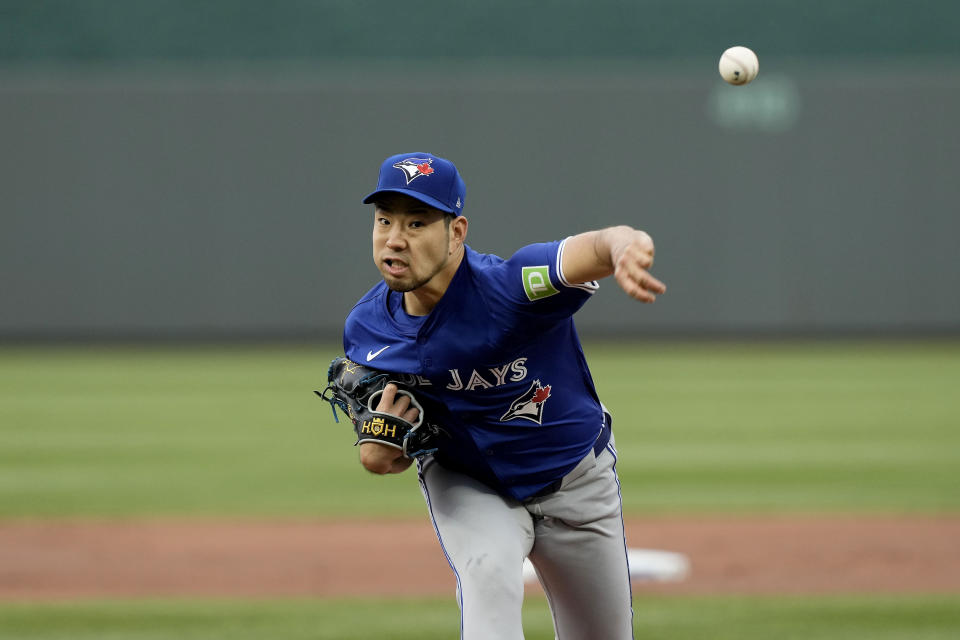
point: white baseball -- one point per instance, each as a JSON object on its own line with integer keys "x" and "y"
{"x": 739, "y": 65}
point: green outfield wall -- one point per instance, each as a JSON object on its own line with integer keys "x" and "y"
{"x": 186, "y": 30}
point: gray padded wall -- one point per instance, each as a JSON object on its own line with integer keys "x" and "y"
{"x": 224, "y": 204}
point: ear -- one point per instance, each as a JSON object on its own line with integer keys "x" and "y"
{"x": 458, "y": 233}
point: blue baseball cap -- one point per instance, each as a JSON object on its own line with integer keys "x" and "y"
{"x": 424, "y": 176}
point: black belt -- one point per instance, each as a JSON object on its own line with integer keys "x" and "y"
{"x": 604, "y": 438}
{"x": 601, "y": 443}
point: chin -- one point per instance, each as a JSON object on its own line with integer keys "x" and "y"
{"x": 397, "y": 285}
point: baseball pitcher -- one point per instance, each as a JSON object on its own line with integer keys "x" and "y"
{"x": 470, "y": 365}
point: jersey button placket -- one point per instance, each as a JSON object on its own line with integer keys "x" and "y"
{"x": 425, "y": 361}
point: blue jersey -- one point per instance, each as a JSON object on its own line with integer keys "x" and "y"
{"x": 501, "y": 352}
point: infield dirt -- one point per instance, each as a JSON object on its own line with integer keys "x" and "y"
{"x": 62, "y": 559}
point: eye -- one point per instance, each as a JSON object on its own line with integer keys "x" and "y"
{"x": 382, "y": 221}
{"x": 416, "y": 224}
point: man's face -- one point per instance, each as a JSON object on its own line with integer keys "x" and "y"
{"x": 411, "y": 242}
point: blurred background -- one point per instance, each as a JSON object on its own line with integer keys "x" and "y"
{"x": 181, "y": 238}
{"x": 184, "y": 169}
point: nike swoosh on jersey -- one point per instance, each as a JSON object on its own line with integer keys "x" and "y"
{"x": 373, "y": 354}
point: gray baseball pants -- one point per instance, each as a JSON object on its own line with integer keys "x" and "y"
{"x": 574, "y": 538}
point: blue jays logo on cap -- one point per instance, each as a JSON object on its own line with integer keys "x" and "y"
{"x": 414, "y": 167}
{"x": 430, "y": 179}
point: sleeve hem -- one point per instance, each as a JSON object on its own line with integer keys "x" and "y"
{"x": 591, "y": 286}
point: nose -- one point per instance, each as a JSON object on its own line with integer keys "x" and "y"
{"x": 395, "y": 237}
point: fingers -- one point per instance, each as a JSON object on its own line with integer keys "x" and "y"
{"x": 636, "y": 281}
{"x": 640, "y": 250}
{"x": 411, "y": 414}
{"x": 652, "y": 285}
{"x": 387, "y": 399}
{"x": 401, "y": 405}
{"x": 632, "y": 262}
{"x": 397, "y": 404}
{"x": 645, "y": 258}
{"x": 404, "y": 408}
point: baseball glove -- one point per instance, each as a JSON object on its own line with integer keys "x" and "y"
{"x": 356, "y": 390}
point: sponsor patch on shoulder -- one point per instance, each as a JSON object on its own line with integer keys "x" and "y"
{"x": 536, "y": 283}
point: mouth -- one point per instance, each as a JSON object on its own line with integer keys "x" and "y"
{"x": 395, "y": 267}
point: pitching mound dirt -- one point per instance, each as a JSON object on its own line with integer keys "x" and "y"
{"x": 75, "y": 559}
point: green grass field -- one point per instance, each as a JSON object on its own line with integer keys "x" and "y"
{"x": 716, "y": 618}
{"x": 860, "y": 427}
{"x": 700, "y": 427}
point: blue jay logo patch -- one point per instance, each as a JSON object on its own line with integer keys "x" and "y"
{"x": 529, "y": 406}
{"x": 413, "y": 168}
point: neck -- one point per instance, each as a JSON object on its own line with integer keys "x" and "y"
{"x": 423, "y": 299}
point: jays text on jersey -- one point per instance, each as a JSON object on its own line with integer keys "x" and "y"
{"x": 501, "y": 352}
